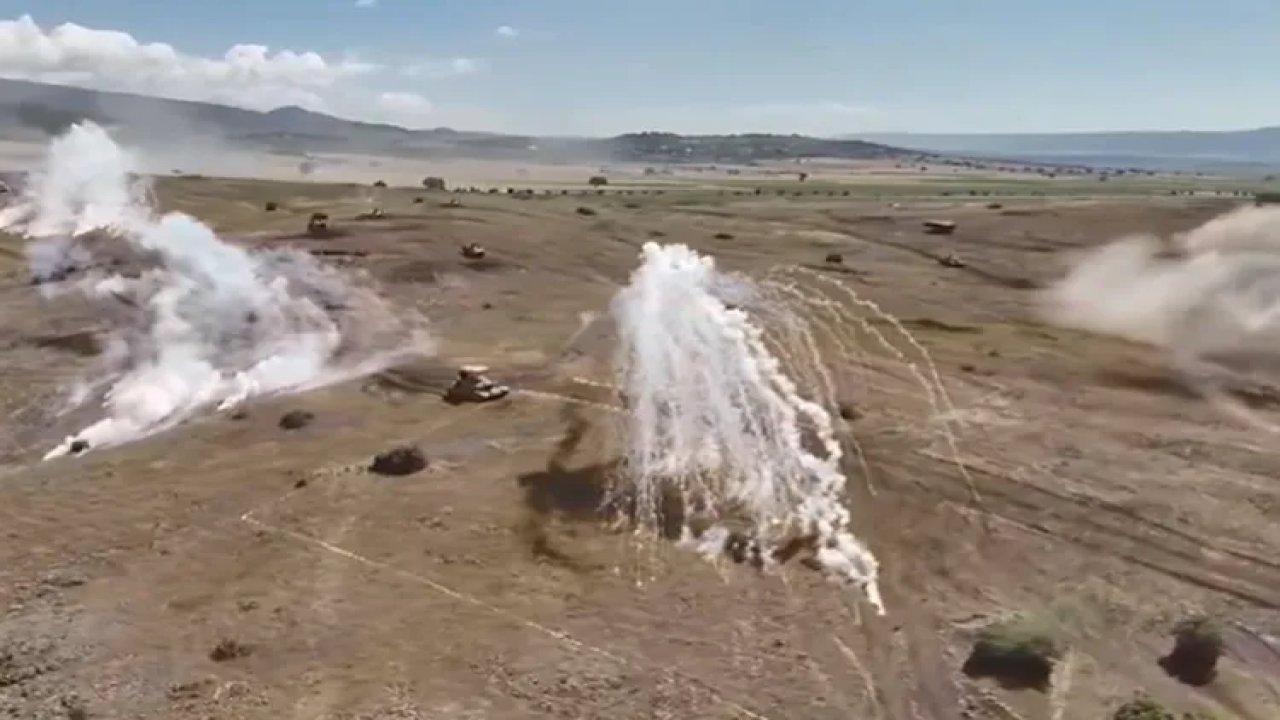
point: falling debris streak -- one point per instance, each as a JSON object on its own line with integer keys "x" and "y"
{"x": 1060, "y": 694}
{"x": 940, "y": 401}
{"x": 840, "y": 340}
{"x": 868, "y": 683}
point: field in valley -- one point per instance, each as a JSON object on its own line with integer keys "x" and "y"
{"x": 234, "y": 569}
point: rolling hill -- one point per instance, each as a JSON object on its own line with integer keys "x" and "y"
{"x": 34, "y": 111}
{"x": 1166, "y": 149}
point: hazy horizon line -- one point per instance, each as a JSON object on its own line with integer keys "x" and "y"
{"x": 851, "y": 135}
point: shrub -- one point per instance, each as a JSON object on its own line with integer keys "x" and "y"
{"x": 1197, "y": 646}
{"x": 1142, "y": 709}
{"x": 1018, "y": 653}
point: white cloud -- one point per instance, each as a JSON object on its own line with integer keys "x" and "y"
{"x": 249, "y": 76}
{"x": 437, "y": 68}
{"x": 246, "y": 75}
{"x": 366, "y": 3}
{"x": 405, "y": 108}
{"x": 507, "y": 31}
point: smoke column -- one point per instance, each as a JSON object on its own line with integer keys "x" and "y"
{"x": 214, "y": 323}
{"x": 712, "y": 415}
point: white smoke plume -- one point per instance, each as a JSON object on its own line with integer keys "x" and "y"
{"x": 1209, "y": 297}
{"x": 212, "y": 323}
{"x": 713, "y": 415}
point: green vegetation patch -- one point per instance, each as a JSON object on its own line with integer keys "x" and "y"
{"x": 1019, "y": 653}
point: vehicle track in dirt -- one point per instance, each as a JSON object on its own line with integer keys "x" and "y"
{"x": 1104, "y": 527}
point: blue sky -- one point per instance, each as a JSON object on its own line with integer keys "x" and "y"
{"x": 816, "y": 66}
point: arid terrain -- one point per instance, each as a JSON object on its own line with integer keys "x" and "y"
{"x": 233, "y": 568}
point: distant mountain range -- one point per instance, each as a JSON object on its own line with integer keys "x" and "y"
{"x": 1154, "y": 149}
{"x": 35, "y": 111}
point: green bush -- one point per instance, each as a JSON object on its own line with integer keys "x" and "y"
{"x": 1198, "y": 644}
{"x": 1143, "y": 709}
{"x": 1018, "y": 653}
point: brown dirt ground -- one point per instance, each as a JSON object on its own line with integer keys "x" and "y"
{"x": 1098, "y": 491}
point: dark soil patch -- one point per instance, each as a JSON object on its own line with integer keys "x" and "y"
{"x": 417, "y": 271}
{"x": 338, "y": 252}
{"x": 576, "y": 493}
{"x": 325, "y": 234}
{"x": 932, "y": 324}
{"x": 586, "y": 493}
{"x": 1027, "y": 213}
{"x": 83, "y": 343}
{"x": 399, "y": 462}
{"x": 296, "y": 419}
{"x": 849, "y": 412}
{"x": 1154, "y": 382}
{"x": 227, "y": 650}
{"x": 488, "y": 264}
{"x": 833, "y": 269}
{"x": 1011, "y": 282}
